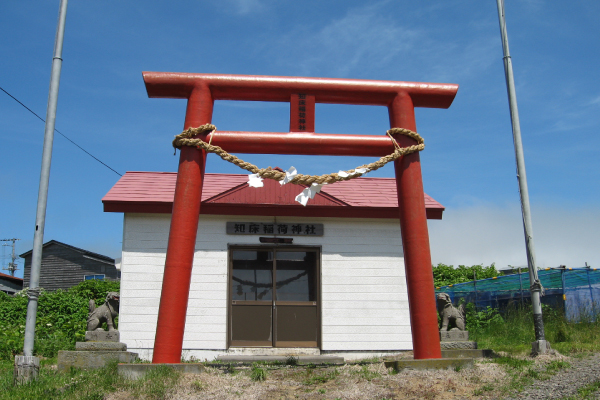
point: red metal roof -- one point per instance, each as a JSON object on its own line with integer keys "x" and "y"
{"x": 229, "y": 194}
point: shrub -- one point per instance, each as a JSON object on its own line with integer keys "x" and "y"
{"x": 482, "y": 320}
{"x": 444, "y": 275}
{"x": 60, "y": 322}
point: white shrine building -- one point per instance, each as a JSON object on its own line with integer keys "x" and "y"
{"x": 269, "y": 274}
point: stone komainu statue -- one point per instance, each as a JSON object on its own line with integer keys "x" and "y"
{"x": 451, "y": 316}
{"x": 107, "y": 312}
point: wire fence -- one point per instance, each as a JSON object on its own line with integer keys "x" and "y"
{"x": 577, "y": 290}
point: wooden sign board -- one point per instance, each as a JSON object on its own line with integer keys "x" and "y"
{"x": 287, "y": 229}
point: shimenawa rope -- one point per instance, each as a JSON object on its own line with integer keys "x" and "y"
{"x": 186, "y": 138}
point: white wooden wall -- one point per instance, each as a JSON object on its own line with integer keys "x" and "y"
{"x": 364, "y": 299}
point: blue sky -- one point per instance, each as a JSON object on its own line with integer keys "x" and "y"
{"x": 468, "y": 164}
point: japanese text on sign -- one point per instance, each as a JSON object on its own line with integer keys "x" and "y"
{"x": 260, "y": 228}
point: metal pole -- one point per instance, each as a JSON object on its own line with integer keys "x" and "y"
{"x": 540, "y": 346}
{"x": 13, "y": 266}
{"x": 40, "y": 219}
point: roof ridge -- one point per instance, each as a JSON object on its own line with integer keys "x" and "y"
{"x": 232, "y": 174}
{"x": 3, "y": 275}
{"x": 87, "y": 252}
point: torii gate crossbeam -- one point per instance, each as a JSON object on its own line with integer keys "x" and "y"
{"x": 202, "y": 90}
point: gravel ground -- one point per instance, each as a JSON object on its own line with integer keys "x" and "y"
{"x": 565, "y": 383}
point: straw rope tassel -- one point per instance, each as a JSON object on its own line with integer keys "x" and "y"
{"x": 186, "y": 138}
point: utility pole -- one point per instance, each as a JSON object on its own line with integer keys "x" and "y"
{"x": 540, "y": 346}
{"x": 27, "y": 366}
{"x": 12, "y": 265}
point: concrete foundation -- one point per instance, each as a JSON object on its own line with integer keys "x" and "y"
{"x": 92, "y": 359}
{"x": 540, "y": 347}
{"x": 273, "y": 351}
{"x": 468, "y": 353}
{"x": 137, "y": 371}
{"x": 436, "y": 363}
{"x": 301, "y": 360}
{"x": 27, "y": 369}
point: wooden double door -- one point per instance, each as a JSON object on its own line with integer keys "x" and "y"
{"x": 274, "y": 297}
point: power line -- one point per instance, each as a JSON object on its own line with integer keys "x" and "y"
{"x": 59, "y": 132}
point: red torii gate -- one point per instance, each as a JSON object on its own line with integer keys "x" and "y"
{"x": 202, "y": 90}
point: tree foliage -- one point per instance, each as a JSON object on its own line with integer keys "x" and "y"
{"x": 444, "y": 275}
{"x": 61, "y": 317}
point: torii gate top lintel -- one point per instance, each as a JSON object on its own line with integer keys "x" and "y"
{"x": 278, "y": 88}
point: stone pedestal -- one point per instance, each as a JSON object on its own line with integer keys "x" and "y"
{"x": 102, "y": 336}
{"x": 456, "y": 339}
{"x": 100, "y": 348}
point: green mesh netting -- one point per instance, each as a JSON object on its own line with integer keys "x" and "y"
{"x": 576, "y": 289}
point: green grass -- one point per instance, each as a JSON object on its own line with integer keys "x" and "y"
{"x": 514, "y": 363}
{"x": 258, "y": 374}
{"x": 313, "y": 378}
{"x": 520, "y": 373}
{"x": 586, "y": 392}
{"x": 516, "y": 333}
{"x": 85, "y": 385}
{"x": 556, "y": 365}
{"x": 365, "y": 374}
{"x": 483, "y": 389}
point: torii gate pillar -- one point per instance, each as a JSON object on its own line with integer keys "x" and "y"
{"x": 415, "y": 236}
{"x": 168, "y": 342}
{"x": 202, "y": 89}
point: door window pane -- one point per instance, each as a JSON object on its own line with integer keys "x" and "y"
{"x": 296, "y": 276}
{"x": 252, "y": 277}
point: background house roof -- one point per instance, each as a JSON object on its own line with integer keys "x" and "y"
{"x": 223, "y": 194}
{"x": 83, "y": 251}
{"x": 11, "y": 278}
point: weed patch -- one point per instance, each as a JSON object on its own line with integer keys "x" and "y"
{"x": 313, "y": 378}
{"x": 367, "y": 374}
{"x": 291, "y": 360}
{"x": 586, "y": 391}
{"x": 258, "y": 374}
{"x": 156, "y": 383}
{"x": 557, "y": 365}
{"x": 483, "y": 389}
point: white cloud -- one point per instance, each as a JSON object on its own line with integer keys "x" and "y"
{"x": 368, "y": 41}
{"x": 487, "y": 234}
{"x": 595, "y": 101}
{"x": 364, "y": 38}
{"x": 243, "y": 7}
